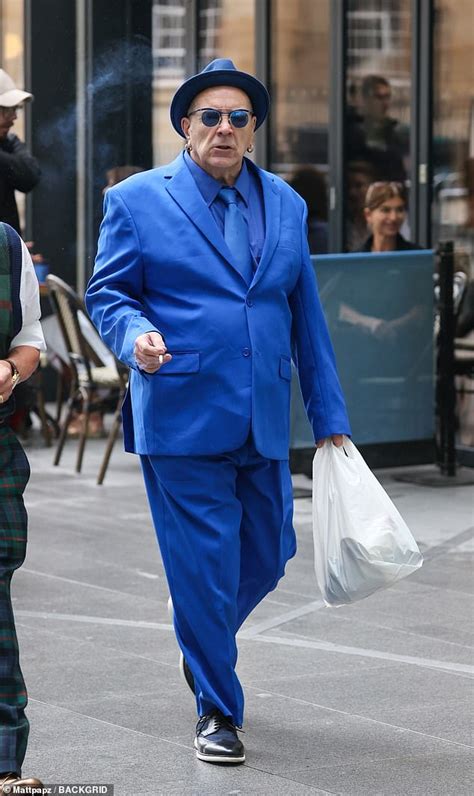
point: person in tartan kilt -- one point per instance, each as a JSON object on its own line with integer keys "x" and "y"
{"x": 21, "y": 341}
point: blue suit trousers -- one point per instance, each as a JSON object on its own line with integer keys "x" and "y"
{"x": 225, "y": 528}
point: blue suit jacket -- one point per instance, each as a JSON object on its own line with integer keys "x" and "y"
{"x": 163, "y": 264}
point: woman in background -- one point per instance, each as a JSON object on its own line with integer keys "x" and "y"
{"x": 385, "y": 212}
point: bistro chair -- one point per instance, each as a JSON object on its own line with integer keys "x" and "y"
{"x": 464, "y": 387}
{"x": 94, "y": 386}
{"x": 49, "y": 425}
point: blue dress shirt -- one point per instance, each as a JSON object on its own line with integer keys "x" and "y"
{"x": 249, "y": 200}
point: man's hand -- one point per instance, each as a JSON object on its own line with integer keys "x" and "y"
{"x": 337, "y": 440}
{"x": 150, "y": 352}
{"x": 6, "y": 383}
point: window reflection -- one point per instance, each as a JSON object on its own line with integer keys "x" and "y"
{"x": 310, "y": 183}
{"x": 210, "y": 16}
{"x": 300, "y": 104}
{"x": 378, "y": 103}
{"x": 360, "y": 174}
{"x": 168, "y": 41}
{"x": 227, "y": 30}
{"x": 373, "y": 134}
{"x": 453, "y": 128}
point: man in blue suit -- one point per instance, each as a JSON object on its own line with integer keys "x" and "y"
{"x": 203, "y": 285}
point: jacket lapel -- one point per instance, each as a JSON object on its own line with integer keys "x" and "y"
{"x": 183, "y": 189}
{"x": 272, "y": 203}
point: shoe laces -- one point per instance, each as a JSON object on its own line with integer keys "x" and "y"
{"x": 220, "y": 722}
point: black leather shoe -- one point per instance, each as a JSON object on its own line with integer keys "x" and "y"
{"x": 12, "y": 783}
{"x": 216, "y": 740}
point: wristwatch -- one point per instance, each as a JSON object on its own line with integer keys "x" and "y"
{"x": 15, "y": 373}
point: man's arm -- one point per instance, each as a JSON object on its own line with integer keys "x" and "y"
{"x": 113, "y": 296}
{"x": 25, "y": 347}
{"x": 17, "y": 166}
{"x": 25, "y": 359}
{"x": 31, "y": 333}
{"x": 313, "y": 354}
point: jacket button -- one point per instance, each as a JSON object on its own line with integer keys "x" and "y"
{"x": 249, "y": 302}
{"x": 246, "y": 352}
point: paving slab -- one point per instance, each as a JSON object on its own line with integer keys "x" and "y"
{"x": 372, "y": 699}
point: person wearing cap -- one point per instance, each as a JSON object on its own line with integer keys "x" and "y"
{"x": 21, "y": 340}
{"x": 19, "y": 171}
{"x": 203, "y": 285}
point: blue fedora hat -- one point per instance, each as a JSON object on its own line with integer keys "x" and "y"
{"x": 220, "y": 72}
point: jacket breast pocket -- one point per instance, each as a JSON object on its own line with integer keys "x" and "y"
{"x": 183, "y": 362}
{"x": 285, "y": 368}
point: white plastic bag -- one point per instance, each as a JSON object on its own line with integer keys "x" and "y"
{"x": 361, "y": 543}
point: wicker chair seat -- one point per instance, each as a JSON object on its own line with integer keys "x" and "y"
{"x": 102, "y": 376}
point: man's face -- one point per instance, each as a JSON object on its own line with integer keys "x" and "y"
{"x": 219, "y": 150}
{"x": 378, "y": 103}
{"x": 7, "y": 118}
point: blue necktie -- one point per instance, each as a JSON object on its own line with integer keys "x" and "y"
{"x": 236, "y": 233}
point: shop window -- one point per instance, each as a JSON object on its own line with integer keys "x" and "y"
{"x": 453, "y": 129}
{"x": 226, "y": 29}
{"x": 210, "y": 13}
{"x": 168, "y": 38}
{"x": 369, "y": 32}
{"x": 169, "y": 52}
{"x": 300, "y": 105}
{"x": 377, "y": 124}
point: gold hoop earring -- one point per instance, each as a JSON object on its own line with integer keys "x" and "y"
{"x": 250, "y": 148}
{"x": 188, "y": 146}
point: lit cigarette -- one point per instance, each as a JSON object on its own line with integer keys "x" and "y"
{"x": 160, "y": 359}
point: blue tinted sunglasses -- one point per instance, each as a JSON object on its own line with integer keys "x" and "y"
{"x": 211, "y": 117}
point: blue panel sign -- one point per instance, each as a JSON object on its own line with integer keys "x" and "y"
{"x": 379, "y": 309}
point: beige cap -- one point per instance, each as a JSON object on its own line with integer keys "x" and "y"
{"x": 10, "y": 95}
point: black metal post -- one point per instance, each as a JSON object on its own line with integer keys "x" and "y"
{"x": 446, "y": 375}
{"x": 421, "y": 124}
{"x": 425, "y": 121}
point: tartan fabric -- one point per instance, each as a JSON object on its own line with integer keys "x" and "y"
{"x": 14, "y": 474}
{"x": 11, "y": 316}
{"x": 16, "y": 265}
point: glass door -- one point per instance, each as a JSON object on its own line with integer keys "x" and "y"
{"x": 226, "y": 29}
{"x": 378, "y": 97}
{"x": 169, "y": 54}
{"x": 299, "y": 57}
{"x": 453, "y": 129}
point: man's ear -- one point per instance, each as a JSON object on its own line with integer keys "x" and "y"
{"x": 185, "y": 124}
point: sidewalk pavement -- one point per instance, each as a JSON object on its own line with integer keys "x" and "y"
{"x": 369, "y": 699}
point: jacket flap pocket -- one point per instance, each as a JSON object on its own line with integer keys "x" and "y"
{"x": 285, "y": 368}
{"x": 182, "y": 362}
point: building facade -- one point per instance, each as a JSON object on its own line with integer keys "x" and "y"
{"x": 103, "y": 75}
